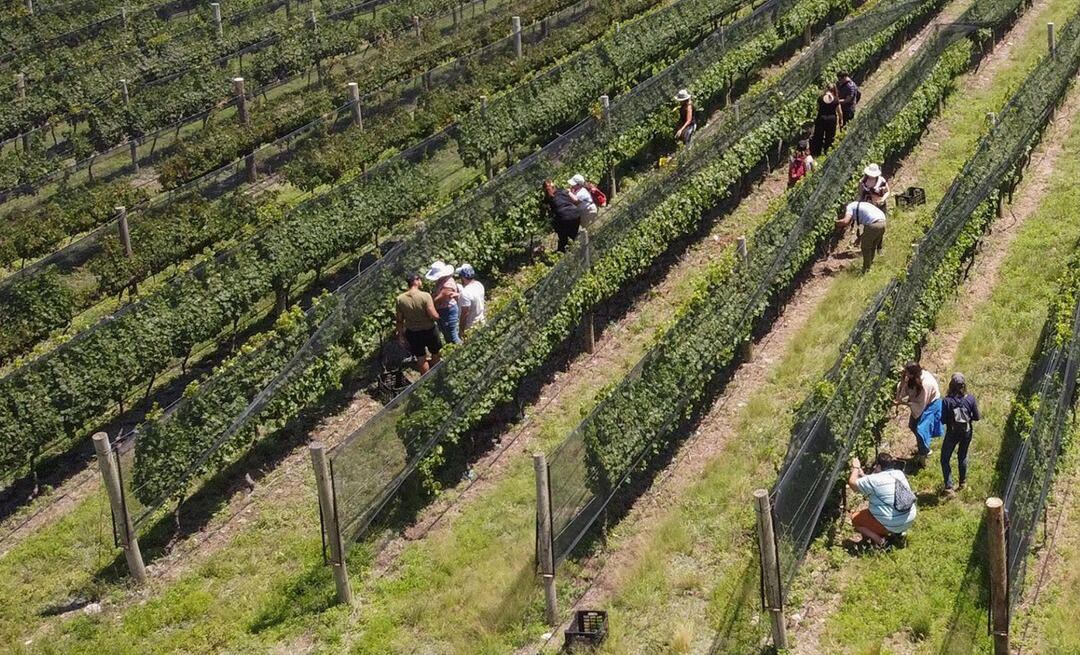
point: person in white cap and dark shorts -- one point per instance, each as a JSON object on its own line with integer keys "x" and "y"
{"x": 872, "y": 220}
{"x": 687, "y": 124}
{"x": 583, "y": 199}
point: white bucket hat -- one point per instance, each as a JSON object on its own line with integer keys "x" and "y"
{"x": 682, "y": 96}
{"x": 577, "y": 180}
{"x": 438, "y": 270}
{"x": 873, "y": 170}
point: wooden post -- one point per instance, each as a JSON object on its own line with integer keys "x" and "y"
{"x": 416, "y": 25}
{"x": 770, "y": 568}
{"x": 241, "y": 100}
{"x": 808, "y": 36}
{"x": 125, "y": 233}
{"x": 999, "y": 574}
{"x": 124, "y": 92}
{"x": 489, "y": 170}
{"x": 605, "y": 117}
{"x": 20, "y": 86}
{"x": 544, "y": 554}
{"x": 314, "y": 19}
{"x": 124, "y": 17}
{"x": 991, "y": 118}
{"x": 590, "y": 316}
{"x": 133, "y": 148}
{"x": 111, "y": 476}
{"x": 218, "y": 29}
{"x": 1051, "y": 41}
{"x": 515, "y": 29}
{"x": 545, "y": 28}
{"x": 740, "y": 246}
{"x": 251, "y": 173}
{"x": 328, "y": 512}
{"x": 354, "y": 102}
{"x": 30, "y": 6}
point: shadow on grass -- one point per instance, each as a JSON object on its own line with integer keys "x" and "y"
{"x": 303, "y": 597}
{"x": 737, "y": 629}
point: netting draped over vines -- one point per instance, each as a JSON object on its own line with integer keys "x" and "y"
{"x": 1034, "y": 462}
{"x": 361, "y": 307}
{"x": 586, "y": 470}
{"x": 841, "y": 414}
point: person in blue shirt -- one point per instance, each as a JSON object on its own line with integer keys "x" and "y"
{"x": 959, "y": 413}
{"x": 891, "y": 509}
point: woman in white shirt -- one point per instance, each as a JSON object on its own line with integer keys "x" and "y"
{"x": 583, "y": 199}
{"x": 471, "y": 300}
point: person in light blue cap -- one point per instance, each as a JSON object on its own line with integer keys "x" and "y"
{"x": 471, "y": 299}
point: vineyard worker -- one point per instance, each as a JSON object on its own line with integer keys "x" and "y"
{"x": 829, "y": 117}
{"x": 874, "y": 188}
{"x": 583, "y": 198}
{"x": 471, "y": 300}
{"x": 446, "y": 299}
{"x": 565, "y": 214}
{"x": 918, "y": 389}
{"x": 416, "y": 324}
{"x": 892, "y": 502}
{"x": 802, "y": 162}
{"x": 959, "y": 413}
{"x": 872, "y": 221}
{"x": 687, "y": 124}
{"x": 848, "y": 93}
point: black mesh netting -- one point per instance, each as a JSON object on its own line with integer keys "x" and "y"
{"x": 1034, "y": 462}
{"x": 587, "y": 469}
{"x": 854, "y": 396}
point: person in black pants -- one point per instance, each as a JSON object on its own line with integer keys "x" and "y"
{"x": 565, "y": 213}
{"x": 959, "y": 412}
{"x": 828, "y": 119}
{"x": 848, "y": 94}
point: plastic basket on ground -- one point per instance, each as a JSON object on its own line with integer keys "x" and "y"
{"x": 588, "y": 629}
{"x": 913, "y": 197}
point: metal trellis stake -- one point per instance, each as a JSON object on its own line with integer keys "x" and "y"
{"x": 544, "y": 546}
{"x": 328, "y": 512}
{"x": 770, "y": 568}
{"x": 999, "y": 575}
{"x": 111, "y": 477}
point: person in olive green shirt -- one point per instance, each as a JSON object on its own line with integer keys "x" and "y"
{"x": 416, "y": 324}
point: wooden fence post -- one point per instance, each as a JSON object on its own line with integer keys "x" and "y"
{"x": 314, "y": 19}
{"x": 999, "y": 574}
{"x": 125, "y": 233}
{"x": 1051, "y": 40}
{"x": 544, "y": 553}
{"x": 770, "y": 568}
{"x": 241, "y": 100}
{"x": 605, "y": 117}
{"x": 30, "y": 6}
{"x": 219, "y": 30}
{"x": 590, "y": 316}
{"x": 515, "y": 28}
{"x": 489, "y": 169}
{"x": 416, "y": 27}
{"x": 331, "y": 530}
{"x": 251, "y": 171}
{"x": 354, "y": 102}
{"x": 111, "y": 476}
{"x": 20, "y": 86}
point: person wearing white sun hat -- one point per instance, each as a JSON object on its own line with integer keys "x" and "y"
{"x": 873, "y": 187}
{"x": 445, "y": 299}
{"x": 687, "y": 124}
{"x": 582, "y": 197}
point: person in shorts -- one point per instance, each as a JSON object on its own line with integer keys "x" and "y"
{"x": 416, "y": 324}
{"x": 891, "y": 509}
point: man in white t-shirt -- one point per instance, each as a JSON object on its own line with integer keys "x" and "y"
{"x": 872, "y": 220}
{"x": 471, "y": 299}
{"x": 583, "y": 199}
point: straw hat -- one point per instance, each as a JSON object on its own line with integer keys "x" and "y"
{"x": 682, "y": 96}
{"x": 873, "y": 170}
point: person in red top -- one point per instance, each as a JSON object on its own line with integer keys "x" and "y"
{"x": 802, "y": 162}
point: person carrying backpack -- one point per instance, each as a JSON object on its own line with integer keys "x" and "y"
{"x": 891, "y": 500}
{"x": 959, "y": 413}
{"x": 802, "y": 162}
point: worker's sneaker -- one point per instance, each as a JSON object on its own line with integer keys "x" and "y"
{"x": 948, "y": 492}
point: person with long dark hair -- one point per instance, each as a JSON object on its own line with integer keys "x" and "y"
{"x": 918, "y": 389}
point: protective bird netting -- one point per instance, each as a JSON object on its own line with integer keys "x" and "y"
{"x": 1034, "y": 462}
{"x": 841, "y": 415}
{"x": 364, "y": 300}
{"x": 588, "y": 468}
